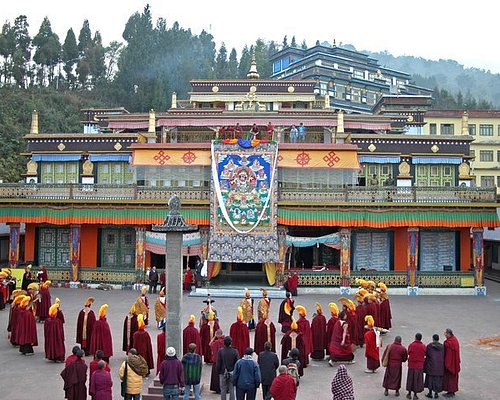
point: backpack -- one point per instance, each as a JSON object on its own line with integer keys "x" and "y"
{"x": 293, "y": 371}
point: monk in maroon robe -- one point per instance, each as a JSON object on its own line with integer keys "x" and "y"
{"x": 216, "y": 344}
{"x": 54, "y": 336}
{"x": 101, "y": 335}
{"x": 393, "y": 372}
{"x": 188, "y": 280}
{"x": 340, "y": 345}
{"x": 285, "y": 312}
{"x": 75, "y": 378}
{"x": 239, "y": 334}
{"x": 85, "y": 326}
{"x": 160, "y": 349}
{"x": 45, "y": 301}
{"x": 142, "y": 343}
{"x": 265, "y": 331}
{"x": 305, "y": 328}
{"x": 385, "y": 312}
{"x": 207, "y": 333}
{"x": 13, "y": 316}
{"x": 26, "y": 335}
{"x": 130, "y": 327}
{"x": 334, "y": 317}
{"x": 190, "y": 334}
{"x": 318, "y": 328}
{"x": 360, "y": 316}
{"x": 451, "y": 363}
{"x": 293, "y": 340}
{"x": 372, "y": 342}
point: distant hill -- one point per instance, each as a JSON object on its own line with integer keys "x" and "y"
{"x": 444, "y": 74}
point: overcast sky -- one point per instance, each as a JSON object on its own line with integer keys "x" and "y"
{"x": 437, "y": 29}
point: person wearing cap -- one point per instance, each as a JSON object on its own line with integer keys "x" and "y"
{"x": 142, "y": 343}
{"x": 285, "y": 312}
{"x": 171, "y": 375}
{"x": 246, "y": 376}
{"x": 247, "y": 307}
{"x": 101, "y": 335}
{"x": 54, "y": 336}
{"x": 293, "y": 340}
{"x": 451, "y": 363}
{"x": 26, "y": 335}
{"x": 305, "y": 328}
{"x": 340, "y": 345}
{"x": 373, "y": 344}
{"x": 85, "y": 326}
{"x": 349, "y": 308}
{"x": 136, "y": 368}
{"x": 318, "y": 330}
{"x": 27, "y": 278}
{"x": 216, "y": 344}
{"x": 226, "y": 360}
{"x": 190, "y": 334}
{"x": 239, "y": 334}
{"x": 75, "y": 378}
{"x": 191, "y": 364}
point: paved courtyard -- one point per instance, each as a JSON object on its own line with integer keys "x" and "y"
{"x": 471, "y": 318}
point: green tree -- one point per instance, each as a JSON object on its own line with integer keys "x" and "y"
{"x": 84, "y": 37}
{"x": 22, "y": 53}
{"x": 47, "y": 53}
{"x": 245, "y": 61}
{"x": 7, "y": 48}
{"x": 70, "y": 56}
{"x": 232, "y": 65}
{"x": 293, "y": 43}
{"x": 221, "y": 63}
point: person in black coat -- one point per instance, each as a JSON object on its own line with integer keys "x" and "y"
{"x": 226, "y": 360}
{"x": 153, "y": 280}
{"x": 268, "y": 363}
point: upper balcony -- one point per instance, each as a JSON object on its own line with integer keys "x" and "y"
{"x": 348, "y": 195}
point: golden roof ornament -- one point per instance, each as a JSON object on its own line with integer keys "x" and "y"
{"x": 252, "y": 73}
{"x": 465, "y": 123}
{"x": 152, "y": 121}
{"x": 34, "y": 122}
{"x": 174, "y": 100}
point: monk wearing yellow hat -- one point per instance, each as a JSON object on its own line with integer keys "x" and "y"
{"x": 85, "y": 326}
{"x": 293, "y": 339}
{"x": 142, "y": 343}
{"x": 239, "y": 333}
{"x": 190, "y": 334}
{"x": 45, "y": 301}
{"x": 305, "y": 328}
{"x": 102, "y": 338}
{"x": 318, "y": 328}
{"x": 54, "y": 336}
{"x": 26, "y": 335}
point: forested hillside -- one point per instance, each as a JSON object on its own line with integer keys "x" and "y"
{"x": 60, "y": 75}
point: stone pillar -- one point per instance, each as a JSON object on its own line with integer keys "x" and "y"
{"x": 140, "y": 249}
{"x": 74, "y": 250}
{"x": 14, "y": 235}
{"x": 412, "y": 264}
{"x": 478, "y": 257}
{"x": 345, "y": 261}
{"x": 174, "y": 226}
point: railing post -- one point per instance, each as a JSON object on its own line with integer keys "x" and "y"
{"x": 71, "y": 191}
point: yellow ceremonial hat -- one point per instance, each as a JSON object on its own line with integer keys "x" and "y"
{"x": 334, "y": 309}
{"x": 103, "y": 310}
{"x": 3, "y": 275}
{"x": 46, "y": 284}
{"x": 53, "y": 310}
{"x": 144, "y": 290}
{"x": 89, "y": 301}
{"x": 301, "y": 310}
{"x": 33, "y": 286}
{"x": 25, "y": 301}
{"x": 382, "y": 286}
{"x": 192, "y": 318}
{"x": 369, "y": 320}
{"x": 247, "y": 292}
{"x": 294, "y": 325}
{"x": 17, "y": 300}
{"x": 140, "y": 321}
{"x": 240, "y": 314}
{"x": 319, "y": 309}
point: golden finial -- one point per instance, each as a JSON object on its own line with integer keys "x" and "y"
{"x": 340, "y": 122}
{"x": 152, "y": 121}
{"x": 174, "y": 100}
{"x": 252, "y": 73}
{"x": 34, "y": 122}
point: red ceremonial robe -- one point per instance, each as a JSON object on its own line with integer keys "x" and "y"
{"x": 54, "y": 339}
{"x": 206, "y": 335}
{"x": 60, "y": 316}
{"x": 142, "y": 343}
{"x": 360, "y": 323}
{"x": 130, "y": 326}
{"x": 12, "y": 326}
{"x": 385, "y": 314}
{"x": 75, "y": 377}
{"x": 100, "y": 386}
{"x": 84, "y": 328}
{"x": 45, "y": 303}
{"x": 264, "y": 333}
{"x": 188, "y": 280}
{"x": 393, "y": 371}
{"x": 160, "y": 350}
{"x": 92, "y": 368}
{"x": 305, "y": 328}
{"x": 215, "y": 346}
{"x": 329, "y": 332}
{"x": 26, "y": 328}
{"x": 451, "y": 364}
{"x": 283, "y": 318}
{"x": 290, "y": 340}
{"x": 241, "y": 337}
{"x": 102, "y": 338}
{"x": 372, "y": 352}
{"x": 191, "y": 335}
{"x": 353, "y": 325}
{"x": 339, "y": 352}
{"x": 318, "y": 328}
{"x": 373, "y": 310}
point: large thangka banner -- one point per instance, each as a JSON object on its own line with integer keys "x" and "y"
{"x": 243, "y": 212}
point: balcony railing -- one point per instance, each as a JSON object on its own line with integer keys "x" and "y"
{"x": 348, "y": 194}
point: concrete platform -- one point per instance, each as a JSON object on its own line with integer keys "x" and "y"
{"x": 237, "y": 292}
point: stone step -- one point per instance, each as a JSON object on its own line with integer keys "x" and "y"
{"x": 155, "y": 391}
{"x": 237, "y": 292}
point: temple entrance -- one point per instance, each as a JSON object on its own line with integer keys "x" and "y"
{"x": 241, "y": 275}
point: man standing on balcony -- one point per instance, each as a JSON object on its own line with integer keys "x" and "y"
{"x": 153, "y": 280}
{"x": 293, "y": 134}
{"x": 302, "y": 132}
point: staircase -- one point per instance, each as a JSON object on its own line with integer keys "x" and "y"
{"x": 155, "y": 391}
{"x": 237, "y": 292}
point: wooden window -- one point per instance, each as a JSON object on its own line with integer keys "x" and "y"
{"x": 485, "y": 130}
{"x": 487, "y": 181}
{"x": 447, "y": 129}
{"x": 432, "y": 129}
{"x": 486, "y": 155}
{"x": 472, "y": 129}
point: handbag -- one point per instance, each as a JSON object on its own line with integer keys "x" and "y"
{"x": 227, "y": 374}
{"x": 124, "y": 381}
{"x": 385, "y": 357}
